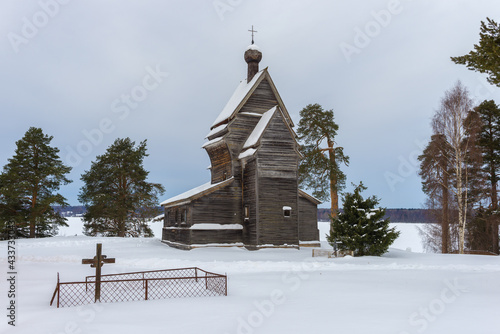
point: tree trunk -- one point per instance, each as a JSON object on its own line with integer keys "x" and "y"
{"x": 494, "y": 221}
{"x": 121, "y": 228}
{"x": 445, "y": 224}
{"x": 32, "y": 226}
{"x": 32, "y": 214}
{"x": 334, "y": 196}
{"x": 460, "y": 203}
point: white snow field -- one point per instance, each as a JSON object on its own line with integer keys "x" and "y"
{"x": 269, "y": 290}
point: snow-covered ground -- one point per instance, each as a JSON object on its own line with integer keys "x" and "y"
{"x": 269, "y": 291}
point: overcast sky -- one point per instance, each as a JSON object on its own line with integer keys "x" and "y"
{"x": 88, "y": 72}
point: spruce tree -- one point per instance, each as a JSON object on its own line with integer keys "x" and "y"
{"x": 28, "y": 186}
{"x": 118, "y": 199}
{"x": 361, "y": 227}
{"x": 319, "y": 170}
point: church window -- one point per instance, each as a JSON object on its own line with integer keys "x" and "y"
{"x": 287, "y": 211}
{"x": 246, "y": 212}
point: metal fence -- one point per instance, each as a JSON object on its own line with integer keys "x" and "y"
{"x": 330, "y": 253}
{"x": 142, "y": 285}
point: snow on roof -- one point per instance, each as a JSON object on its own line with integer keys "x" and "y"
{"x": 247, "y": 153}
{"x": 203, "y": 189}
{"x": 239, "y": 94}
{"x": 210, "y": 142}
{"x": 253, "y": 47}
{"x": 216, "y": 130}
{"x": 311, "y": 198}
{"x": 247, "y": 113}
{"x": 257, "y": 132}
{"x": 159, "y": 217}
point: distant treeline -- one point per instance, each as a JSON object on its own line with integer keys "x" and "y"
{"x": 70, "y": 211}
{"x": 395, "y": 215}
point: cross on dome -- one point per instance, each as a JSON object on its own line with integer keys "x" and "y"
{"x": 252, "y": 31}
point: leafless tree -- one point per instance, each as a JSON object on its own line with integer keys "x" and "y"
{"x": 450, "y": 121}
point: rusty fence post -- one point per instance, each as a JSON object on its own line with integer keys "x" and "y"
{"x": 146, "y": 292}
{"x": 56, "y": 291}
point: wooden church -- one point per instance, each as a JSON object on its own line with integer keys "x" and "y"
{"x": 252, "y": 199}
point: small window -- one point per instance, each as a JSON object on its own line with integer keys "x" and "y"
{"x": 167, "y": 218}
{"x": 176, "y": 216}
{"x": 287, "y": 211}
{"x": 246, "y": 212}
{"x": 184, "y": 216}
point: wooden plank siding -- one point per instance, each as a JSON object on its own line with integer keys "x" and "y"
{"x": 262, "y": 99}
{"x": 308, "y": 220}
{"x": 221, "y": 161}
{"x": 277, "y": 162}
{"x": 220, "y": 207}
{"x": 250, "y": 231}
{"x": 274, "y": 228}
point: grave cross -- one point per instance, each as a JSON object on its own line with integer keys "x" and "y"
{"x": 97, "y": 263}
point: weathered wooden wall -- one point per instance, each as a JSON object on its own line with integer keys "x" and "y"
{"x": 250, "y": 236}
{"x": 308, "y": 220}
{"x": 262, "y": 99}
{"x": 221, "y": 161}
{"x": 216, "y": 236}
{"x": 277, "y": 184}
{"x": 222, "y": 206}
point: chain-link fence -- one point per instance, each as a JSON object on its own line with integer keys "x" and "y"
{"x": 143, "y": 285}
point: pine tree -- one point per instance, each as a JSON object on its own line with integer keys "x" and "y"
{"x": 489, "y": 141}
{"x": 361, "y": 228}
{"x": 436, "y": 173}
{"x": 28, "y": 186}
{"x": 319, "y": 170}
{"x": 118, "y": 198}
{"x": 486, "y": 55}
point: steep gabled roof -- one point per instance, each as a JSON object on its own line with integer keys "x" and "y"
{"x": 241, "y": 96}
{"x": 257, "y": 132}
{"x": 251, "y": 144}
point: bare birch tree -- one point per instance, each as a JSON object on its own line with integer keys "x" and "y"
{"x": 450, "y": 121}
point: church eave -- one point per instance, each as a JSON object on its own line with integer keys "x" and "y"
{"x": 310, "y": 198}
{"x": 195, "y": 193}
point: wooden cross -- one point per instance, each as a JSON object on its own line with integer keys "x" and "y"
{"x": 97, "y": 263}
{"x": 252, "y": 32}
